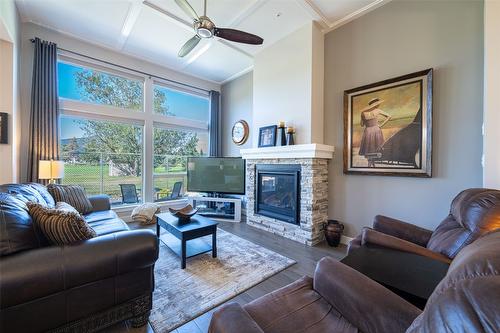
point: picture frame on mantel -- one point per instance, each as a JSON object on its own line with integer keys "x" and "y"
{"x": 4, "y": 128}
{"x": 388, "y": 127}
{"x": 267, "y": 136}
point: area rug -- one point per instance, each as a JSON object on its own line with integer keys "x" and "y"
{"x": 183, "y": 294}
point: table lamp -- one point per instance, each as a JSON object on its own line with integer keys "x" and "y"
{"x": 51, "y": 170}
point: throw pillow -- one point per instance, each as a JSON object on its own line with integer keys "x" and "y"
{"x": 72, "y": 194}
{"x": 61, "y": 225}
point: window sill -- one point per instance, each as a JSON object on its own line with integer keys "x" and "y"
{"x": 125, "y": 211}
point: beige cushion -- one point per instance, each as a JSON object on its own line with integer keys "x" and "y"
{"x": 62, "y": 224}
{"x": 72, "y": 194}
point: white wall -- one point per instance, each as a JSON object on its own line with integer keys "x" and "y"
{"x": 398, "y": 38}
{"x": 285, "y": 76}
{"x": 30, "y": 31}
{"x": 9, "y": 88}
{"x": 491, "y": 140}
{"x": 237, "y": 101}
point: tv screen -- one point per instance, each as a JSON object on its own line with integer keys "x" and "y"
{"x": 216, "y": 174}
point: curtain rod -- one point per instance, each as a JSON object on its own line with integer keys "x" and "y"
{"x": 128, "y": 68}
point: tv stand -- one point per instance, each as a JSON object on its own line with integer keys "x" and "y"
{"x": 219, "y": 209}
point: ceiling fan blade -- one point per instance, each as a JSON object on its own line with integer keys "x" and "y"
{"x": 186, "y": 7}
{"x": 238, "y": 36}
{"x": 189, "y": 46}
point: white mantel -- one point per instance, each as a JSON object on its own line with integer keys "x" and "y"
{"x": 312, "y": 150}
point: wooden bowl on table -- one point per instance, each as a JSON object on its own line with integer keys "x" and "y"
{"x": 184, "y": 214}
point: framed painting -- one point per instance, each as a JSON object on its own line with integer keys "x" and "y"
{"x": 267, "y": 136}
{"x": 388, "y": 127}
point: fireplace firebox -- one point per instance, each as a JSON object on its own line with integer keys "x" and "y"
{"x": 278, "y": 191}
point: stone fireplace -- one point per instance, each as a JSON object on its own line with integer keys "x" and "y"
{"x": 287, "y": 190}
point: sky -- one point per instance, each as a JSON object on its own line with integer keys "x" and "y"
{"x": 181, "y": 104}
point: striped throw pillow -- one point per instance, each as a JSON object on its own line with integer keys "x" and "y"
{"x": 61, "y": 225}
{"x": 72, "y": 194}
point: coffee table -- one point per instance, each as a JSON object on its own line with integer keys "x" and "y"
{"x": 186, "y": 240}
{"x": 411, "y": 276}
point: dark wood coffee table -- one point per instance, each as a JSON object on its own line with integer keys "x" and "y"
{"x": 182, "y": 232}
{"x": 409, "y": 275}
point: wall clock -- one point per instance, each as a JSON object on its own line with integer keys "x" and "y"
{"x": 240, "y": 132}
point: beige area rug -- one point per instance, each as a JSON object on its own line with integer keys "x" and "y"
{"x": 183, "y": 294}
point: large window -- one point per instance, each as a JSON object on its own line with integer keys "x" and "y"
{"x": 104, "y": 140}
{"x": 171, "y": 149}
{"x": 94, "y": 86}
{"x": 175, "y": 103}
{"x": 102, "y": 156}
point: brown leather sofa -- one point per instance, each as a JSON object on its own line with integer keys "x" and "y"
{"x": 340, "y": 299}
{"x": 473, "y": 213}
{"x": 78, "y": 288}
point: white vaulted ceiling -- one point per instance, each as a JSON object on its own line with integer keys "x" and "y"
{"x": 154, "y": 30}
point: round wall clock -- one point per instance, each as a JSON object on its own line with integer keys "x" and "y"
{"x": 240, "y": 132}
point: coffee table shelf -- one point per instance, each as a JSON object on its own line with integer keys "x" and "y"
{"x": 187, "y": 235}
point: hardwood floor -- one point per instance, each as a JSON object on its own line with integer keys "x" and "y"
{"x": 305, "y": 256}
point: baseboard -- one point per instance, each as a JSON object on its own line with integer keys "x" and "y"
{"x": 345, "y": 240}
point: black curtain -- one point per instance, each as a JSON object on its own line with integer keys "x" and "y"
{"x": 44, "y": 116}
{"x": 215, "y": 125}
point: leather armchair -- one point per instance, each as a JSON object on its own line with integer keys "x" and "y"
{"x": 340, "y": 299}
{"x": 473, "y": 213}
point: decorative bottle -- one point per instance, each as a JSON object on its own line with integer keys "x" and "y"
{"x": 281, "y": 137}
{"x": 289, "y": 136}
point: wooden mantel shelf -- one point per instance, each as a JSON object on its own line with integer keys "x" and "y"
{"x": 312, "y": 150}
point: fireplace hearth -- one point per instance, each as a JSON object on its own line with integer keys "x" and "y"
{"x": 277, "y": 192}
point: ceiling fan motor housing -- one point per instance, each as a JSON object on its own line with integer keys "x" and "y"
{"x": 204, "y": 27}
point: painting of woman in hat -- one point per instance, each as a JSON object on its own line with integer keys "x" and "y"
{"x": 373, "y": 137}
{"x": 388, "y": 127}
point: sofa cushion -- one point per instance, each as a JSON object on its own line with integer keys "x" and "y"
{"x": 297, "y": 308}
{"x": 42, "y": 190}
{"x": 108, "y": 226}
{"x": 29, "y": 192}
{"x": 17, "y": 230}
{"x": 72, "y": 194}
{"x": 473, "y": 213}
{"x": 61, "y": 225}
{"x": 100, "y": 215}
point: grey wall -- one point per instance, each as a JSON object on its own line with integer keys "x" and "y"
{"x": 399, "y": 38}
{"x": 237, "y": 101}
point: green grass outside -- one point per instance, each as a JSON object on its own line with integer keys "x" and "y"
{"x": 90, "y": 177}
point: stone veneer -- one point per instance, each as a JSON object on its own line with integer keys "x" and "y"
{"x": 313, "y": 200}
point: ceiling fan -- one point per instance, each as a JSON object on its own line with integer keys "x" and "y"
{"x": 205, "y": 28}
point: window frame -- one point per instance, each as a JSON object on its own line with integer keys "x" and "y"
{"x": 145, "y": 117}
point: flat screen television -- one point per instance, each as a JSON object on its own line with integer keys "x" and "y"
{"x": 224, "y": 175}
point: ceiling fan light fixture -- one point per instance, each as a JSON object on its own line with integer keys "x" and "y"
{"x": 204, "y": 32}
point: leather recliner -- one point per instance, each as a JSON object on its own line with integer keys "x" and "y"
{"x": 342, "y": 300}
{"x": 82, "y": 287}
{"x": 473, "y": 213}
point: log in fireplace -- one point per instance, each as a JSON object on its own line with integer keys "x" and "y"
{"x": 278, "y": 191}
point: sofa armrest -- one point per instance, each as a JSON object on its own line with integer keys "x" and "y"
{"x": 37, "y": 273}
{"x": 403, "y": 230}
{"x": 370, "y": 236}
{"x": 363, "y": 302}
{"x": 100, "y": 202}
{"x": 232, "y": 318}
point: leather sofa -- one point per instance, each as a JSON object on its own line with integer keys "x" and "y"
{"x": 75, "y": 288}
{"x": 340, "y": 299}
{"x": 473, "y": 213}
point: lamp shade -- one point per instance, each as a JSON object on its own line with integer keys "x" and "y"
{"x": 50, "y": 169}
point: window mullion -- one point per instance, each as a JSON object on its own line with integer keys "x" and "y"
{"x": 148, "y": 140}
